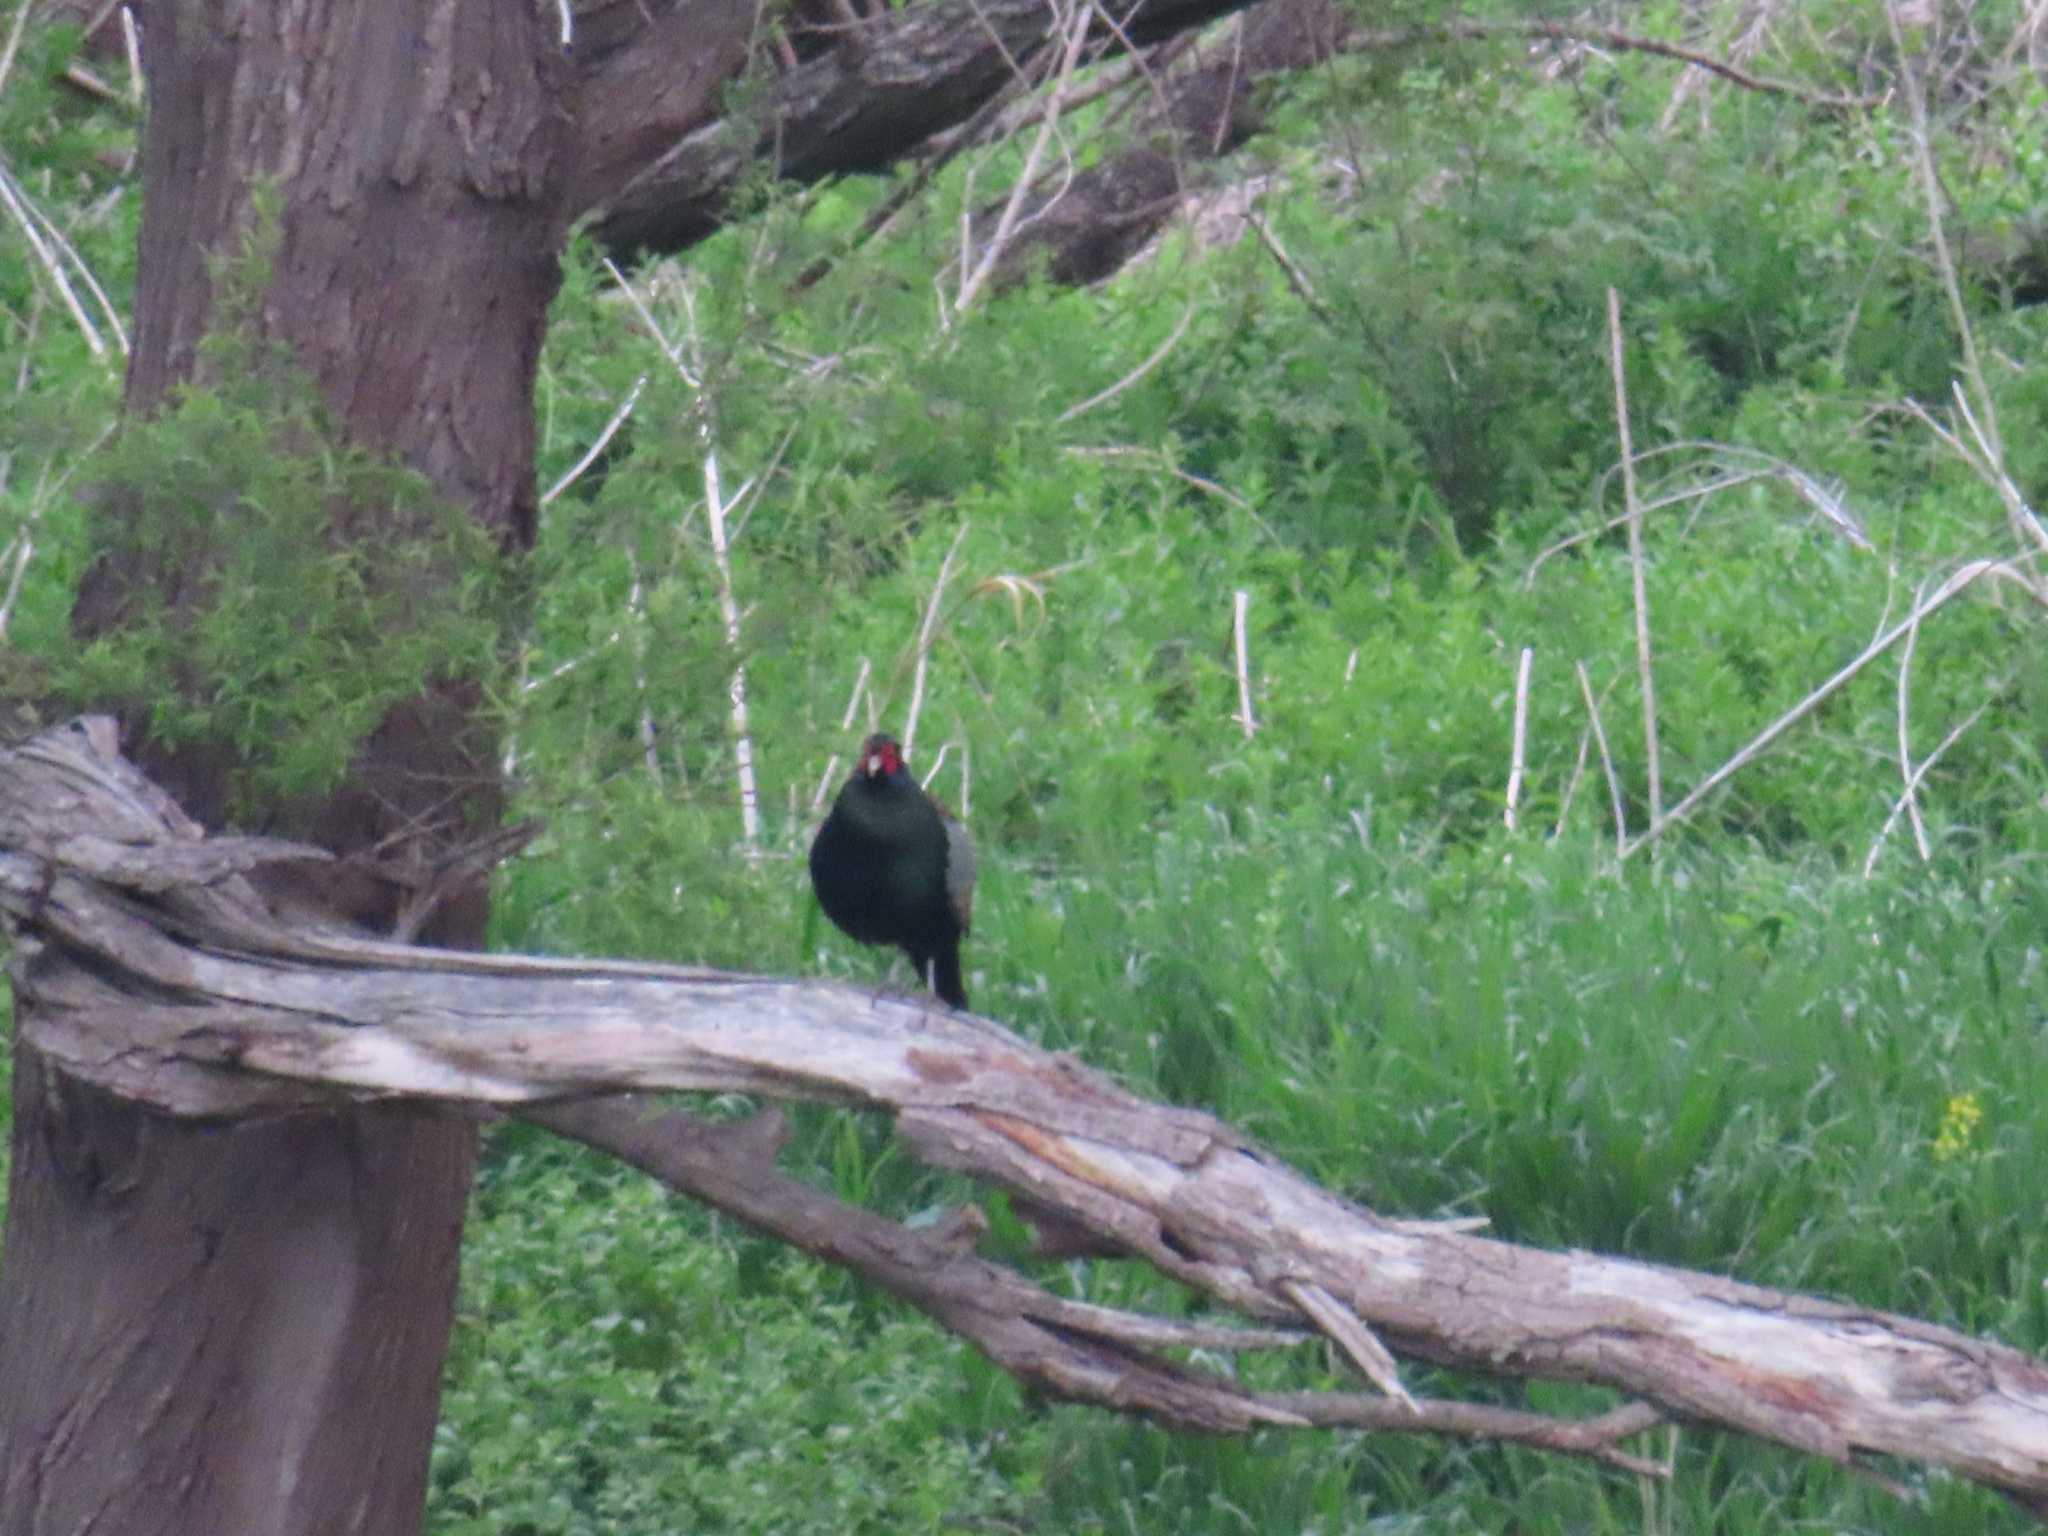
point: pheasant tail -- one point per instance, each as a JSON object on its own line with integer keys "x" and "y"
{"x": 945, "y": 976}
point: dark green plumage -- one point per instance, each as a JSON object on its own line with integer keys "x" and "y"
{"x": 890, "y": 866}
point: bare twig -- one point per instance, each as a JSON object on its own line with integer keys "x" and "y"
{"x": 1644, "y": 673}
{"x": 670, "y": 350}
{"x": 966, "y": 796}
{"x": 685, "y": 356}
{"x": 18, "y": 207}
{"x": 575, "y": 471}
{"x": 650, "y": 738}
{"x": 1930, "y": 190}
{"x": 1909, "y": 799}
{"x": 1913, "y": 779}
{"x": 13, "y": 44}
{"x": 715, "y": 509}
{"x": 131, "y": 46}
{"x": 1606, "y": 758}
{"x": 1159, "y": 355}
{"x": 1352, "y": 1336}
{"x": 1074, "y": 1349}
{"x": 56, "y": 236}
{"x": 1240, "y": 604}
{"x": 926, "y": 629}
{"x": 860, "y": 682}
{"x": 2026, "y": 524}
{"x": 22, "y": 371}
{"x": 1153, "y": 458}
{"x": 1298, "y": 280}
{"x": 22, "y": 546}
{"x": 1756, "y": 18}
{"x": 1983, "y": 418}
{"x": 1518, "y": 746}
{"x": 831, "y": 774}
{"x": 1976, "y": 456}
{"x": 1605, "y": 37}
{"x": 1959, "y": 582}
{"x": 937, "y": 153}
{"x": 1571, "y": 785}
{"x": 1824, "y": 498}
{"x": 974, "y": 276}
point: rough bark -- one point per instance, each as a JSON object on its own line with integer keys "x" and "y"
{"x": 208, "y": 1328}
{"x": 1194, "y": 107}
{"x": 222, "y": 1328}
{"x": 156, "y": 972}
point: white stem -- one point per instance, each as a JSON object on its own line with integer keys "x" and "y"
{"x": 1158, "y": 356}
{"x": 1606, "y": 759}
{"x": 926, "y": 628}
{"x": 825, "y": 780}
{"x": 860, "y": 682}
{"x": 1240, "y": 604}
{"x": 972, "y": 282}
{"x": 1571, "y": 785}
{"x": 729, "y": 609}
{"x": 590, "y": 455}
{"x": 1912, "y": 787}
{"x": 17, "y": 205}
{"x": 131, "y": 44}
{"x": 1518, "y": 748}
{"x": 22, "y": 548}
{"x": 1907, "y": 776}
{"x": 12, "y": 46}
{"x": 690, "y": 369}
{"x": 1633, "y": 503}
{"x": 1962, "y": 579}
{"x": 69, "y": 252}
{"x": 650, "y": 743}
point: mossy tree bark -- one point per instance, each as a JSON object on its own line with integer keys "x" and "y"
{"x": 210, "y": 1328}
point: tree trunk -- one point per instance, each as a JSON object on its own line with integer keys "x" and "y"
{"x": 239, "y": 1327}
{"x": 222, "y": 1328}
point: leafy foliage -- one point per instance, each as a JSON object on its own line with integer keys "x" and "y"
{"x": 264, "y": 624}
{"x": 713, "y": 1383}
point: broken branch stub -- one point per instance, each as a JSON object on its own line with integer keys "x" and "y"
{"x": 145, "y": 961}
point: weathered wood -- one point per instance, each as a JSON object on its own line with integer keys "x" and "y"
{"x": 199, "y": 1001}
{"x": 885, "y": 85}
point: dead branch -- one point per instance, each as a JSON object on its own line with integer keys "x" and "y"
{"x": 661, "y": 153}
{"x": 1072, "y": 1349}
{"x": 147, "y": 962}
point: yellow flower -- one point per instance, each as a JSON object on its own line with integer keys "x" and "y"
{"x": 1960, "y": 1118}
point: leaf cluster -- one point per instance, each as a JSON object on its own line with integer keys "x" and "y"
{"x": 277, "y": 590}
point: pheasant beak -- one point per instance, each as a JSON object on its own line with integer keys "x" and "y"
{"x": 873, "y": 765}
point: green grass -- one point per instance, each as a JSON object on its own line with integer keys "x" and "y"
{"x": 1736, "y": 1064}
{"x": 622, "y": 1363}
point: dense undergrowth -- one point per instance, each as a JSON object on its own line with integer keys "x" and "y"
{"x": 1779, "y": 1043}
